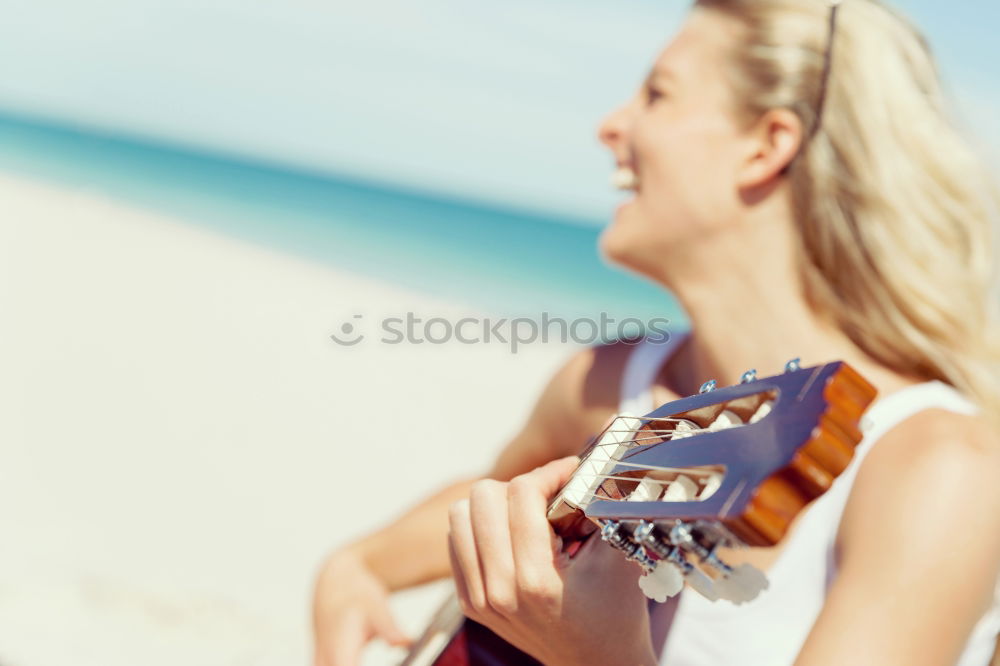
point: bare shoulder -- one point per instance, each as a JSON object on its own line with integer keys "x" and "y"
{"x": 586, "y": 391}
{"x": 936, "y": 442}
{"x": 937, "y": 468}
{"x": 918, "y": 546}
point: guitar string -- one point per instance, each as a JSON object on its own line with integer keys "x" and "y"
{"x": 652, "y": 468}
{"x": 686, "y": 433}
{"x": 670, "y": 431}
{"x": 635, "y": 441}
{"x": 660, "y": 430}
{"x": 627, "y": 442}
{"x": 617, "y": 419}
{"x": 688, "y": 471}
{"x": 651, "y": 419}
{"x": 655, "y": 437}
{"x": 591, "y": 477}
{"x": 591, "y": 495}
{"x": 611, "y": 430}
{"x": 647, "y": 419}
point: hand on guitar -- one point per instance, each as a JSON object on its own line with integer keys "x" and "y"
{"x": 350, "y": 607}
{"x": 512, "y": 577}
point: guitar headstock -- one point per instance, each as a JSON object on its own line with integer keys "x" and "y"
{"x": 728, "y": 467}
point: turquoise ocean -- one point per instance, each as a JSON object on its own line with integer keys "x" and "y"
{"x": 504, "y": 261}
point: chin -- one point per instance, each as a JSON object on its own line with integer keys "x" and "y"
{"x": 634, "y": 248}
{"x": 621, "y": 248}
{"x": 611, "y": 244}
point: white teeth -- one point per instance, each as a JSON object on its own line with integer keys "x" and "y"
{"x": 624, "y": 179}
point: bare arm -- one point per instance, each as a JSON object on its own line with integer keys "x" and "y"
{"x": 920, "y": 542}
{"x": 353, "y": 585}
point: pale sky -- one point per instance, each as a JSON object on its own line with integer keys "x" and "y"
{"x": 491, "y": 101}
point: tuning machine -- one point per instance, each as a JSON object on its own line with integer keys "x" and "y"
{"x": 612, "y": 533}
{"x": 737, "y": 584}
{"x": 671, "y": 570}
{"x": 667, "y": 577}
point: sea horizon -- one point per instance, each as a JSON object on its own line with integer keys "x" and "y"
{"x": 502, "y": 259}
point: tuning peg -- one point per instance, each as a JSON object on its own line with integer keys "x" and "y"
{"x": 748, "y": 376}
{"x": 736, "y": 584}
{"x": 663, "y": 582}
{"x": 793, "y": 365}
{"x": 708, "y": 386}
{"x": 741, "y": 584}
{"x": 698, "y": 581}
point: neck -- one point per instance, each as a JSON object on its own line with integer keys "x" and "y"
{"x": 744, "y": 298}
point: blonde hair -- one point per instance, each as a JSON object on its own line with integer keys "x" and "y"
{"x": 894, "y": 207}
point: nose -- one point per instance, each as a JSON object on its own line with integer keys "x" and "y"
{"x": 613, "y": 130}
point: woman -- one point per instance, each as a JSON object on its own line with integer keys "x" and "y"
{"x": 800, "y": 190}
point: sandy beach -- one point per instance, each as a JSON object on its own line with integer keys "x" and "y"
{"x": 181, "y": 440}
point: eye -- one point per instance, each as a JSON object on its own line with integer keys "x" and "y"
{"x": 652, "y": 94}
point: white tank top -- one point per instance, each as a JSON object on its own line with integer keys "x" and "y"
{"x": 771, "y": 630}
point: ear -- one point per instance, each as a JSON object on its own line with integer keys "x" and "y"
{"x": 774, "y": 141}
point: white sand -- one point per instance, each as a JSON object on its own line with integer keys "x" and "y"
{"x": 180, "y": 441}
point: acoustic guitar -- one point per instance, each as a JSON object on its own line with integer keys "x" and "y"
{"x": 728, "y": 467}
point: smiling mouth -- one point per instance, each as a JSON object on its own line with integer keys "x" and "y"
{"x": 625, "y": 178}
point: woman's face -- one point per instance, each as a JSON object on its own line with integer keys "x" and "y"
{"x": 681, "y": 138}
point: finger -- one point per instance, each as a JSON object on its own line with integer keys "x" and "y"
{"x": 461, "y": 589}
{"x": 466, "y": 559}
{"x": 345, "y": 648}
{"x": 386, "y": 628}
{"x": 491, "y": 529}
{"x": 550, "y": 478}
{"x": 528, "y": 499}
